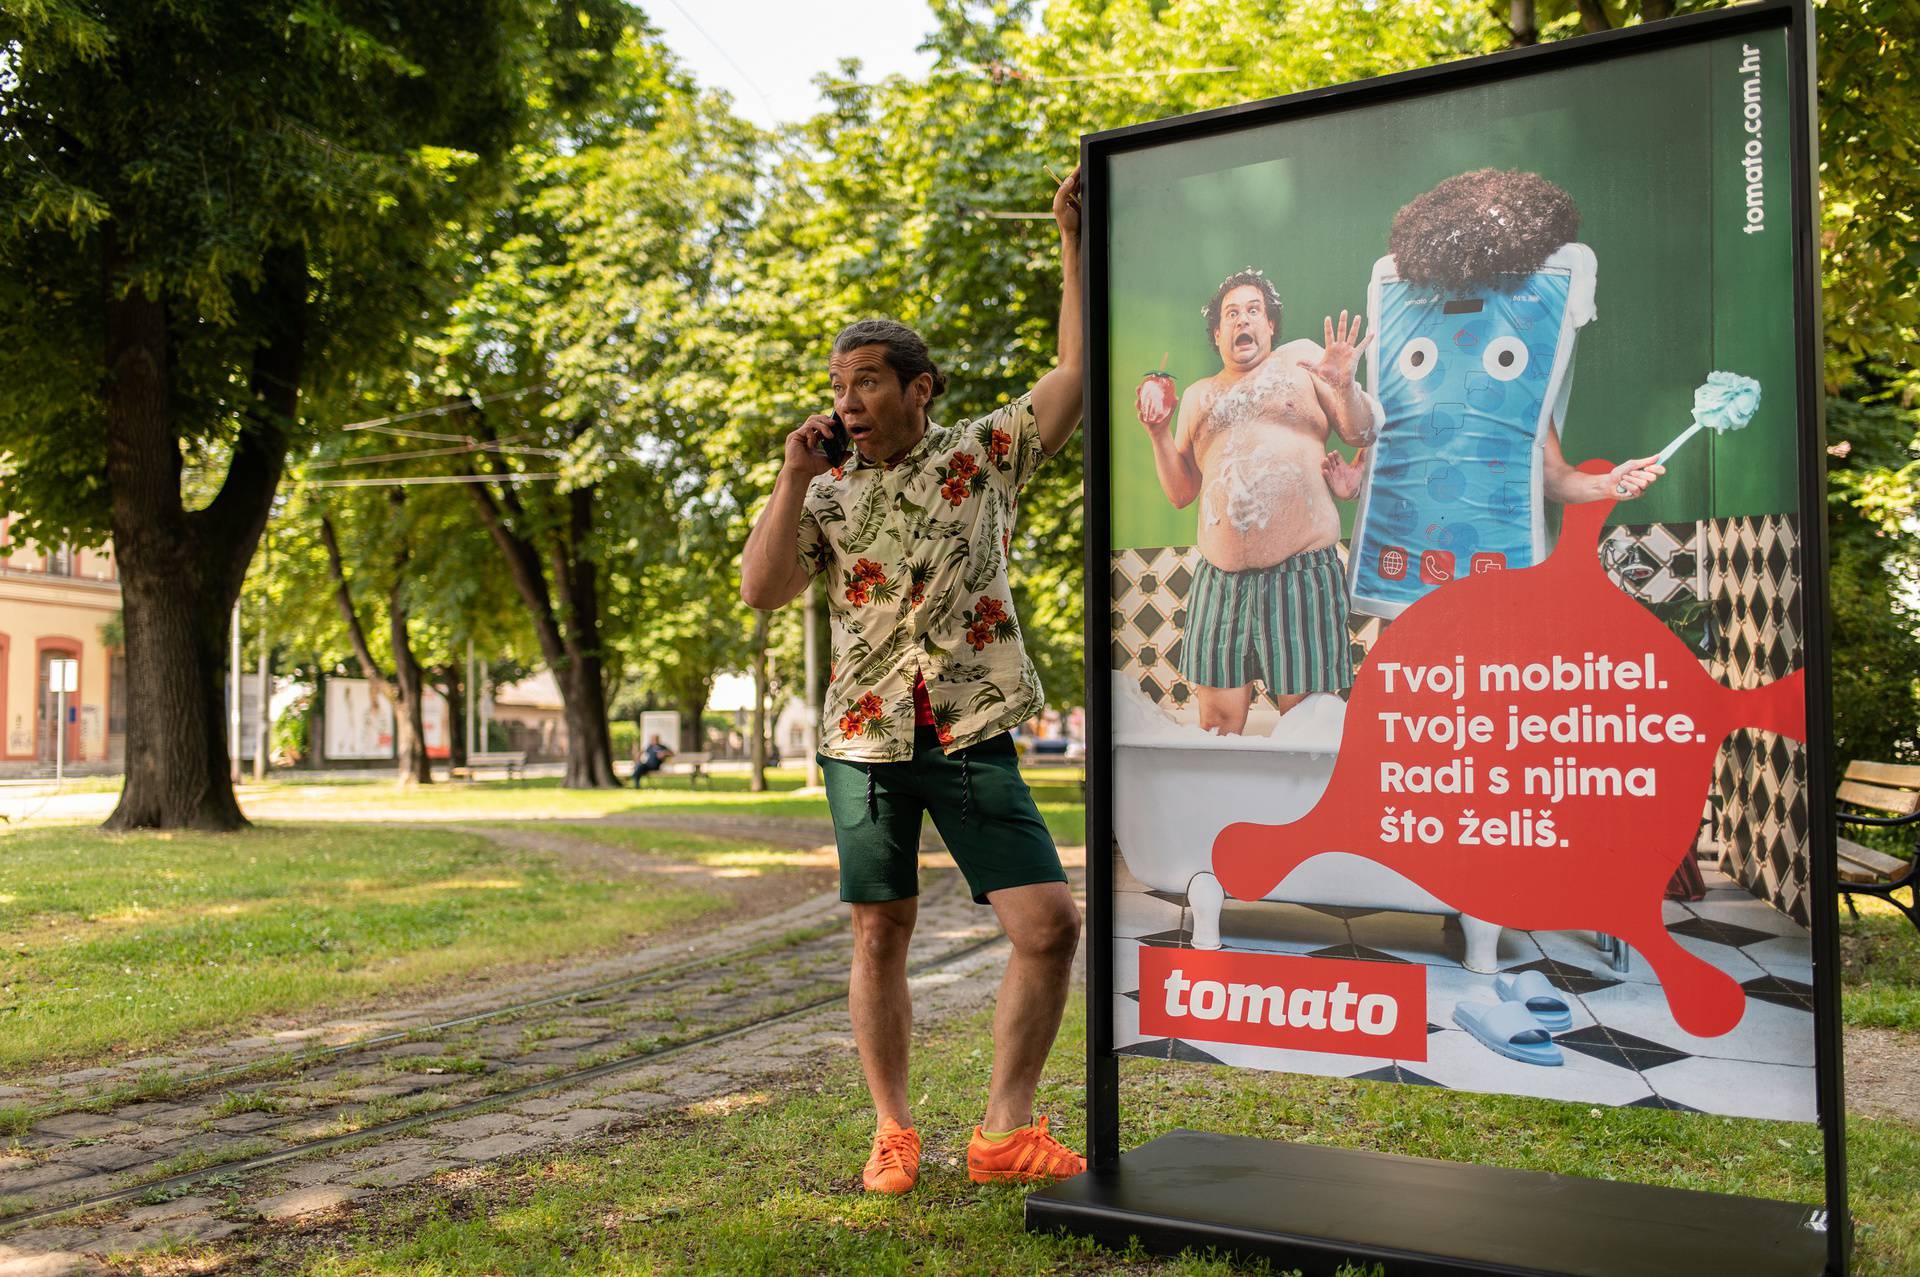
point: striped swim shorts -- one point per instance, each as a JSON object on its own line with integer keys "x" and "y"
{"x": 1284, "y": 625}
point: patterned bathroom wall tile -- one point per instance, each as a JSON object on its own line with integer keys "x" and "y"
{"x": 1760, "y": 799}
{"x": 1149, "y": 618}
{"x": 1656, "y": 562}
{"x": 1664, "y": 566}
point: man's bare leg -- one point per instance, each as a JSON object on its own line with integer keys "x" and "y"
{"x": 1044, "y": 925}
{"x": 878, "y": 1000}
{"x": 1224, "y": 709}
{"x": 1289, "y": 700}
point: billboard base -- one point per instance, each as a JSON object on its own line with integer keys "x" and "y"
{"x": 1313, "y": 1208}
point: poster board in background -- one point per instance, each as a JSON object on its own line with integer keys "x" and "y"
{"x": 359, "y": 721}
{"x": 662, "y": 722}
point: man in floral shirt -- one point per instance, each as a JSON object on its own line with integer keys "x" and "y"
{"x": 911, "y": 534}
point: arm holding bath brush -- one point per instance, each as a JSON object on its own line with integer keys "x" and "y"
{"x": 1725, "y": 402}
{"x": 1569, "y": 486}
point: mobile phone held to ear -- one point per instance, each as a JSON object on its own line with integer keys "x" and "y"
{"x": 834, "y": 448}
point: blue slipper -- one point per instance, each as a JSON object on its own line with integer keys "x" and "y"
{"x": 1532, "y": 990}
{"x": 1510, "y": 1029}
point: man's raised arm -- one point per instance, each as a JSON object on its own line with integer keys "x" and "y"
{"x": 1057, "y": 397}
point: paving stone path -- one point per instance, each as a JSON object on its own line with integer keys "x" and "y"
{"x": 457, "y": 1056}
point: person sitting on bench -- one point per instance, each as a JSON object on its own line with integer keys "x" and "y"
{"x": 652, "y": 757}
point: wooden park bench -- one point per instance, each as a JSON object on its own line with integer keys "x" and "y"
{"x": 1881, "y": 795}
{"x": 693, "y": 765}
{"x": 510, "y": 763}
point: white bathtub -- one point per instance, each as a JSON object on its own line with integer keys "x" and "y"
{"x": 1174, "y": 790}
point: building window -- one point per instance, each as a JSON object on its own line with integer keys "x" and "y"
{"x": 60, "y": 561}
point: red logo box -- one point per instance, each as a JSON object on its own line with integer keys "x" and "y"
{"x": 1393, "y": 562}
{"x": 1304, "y": 1004}
{"x": 1491, "y": 561}
{"x": 1436, "y": 566}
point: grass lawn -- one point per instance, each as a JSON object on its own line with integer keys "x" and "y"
{"x": 121, "y": 944}
{"x": 1880, "y": 955}
{"x": 768, "y": 1182}
{"x": 1055, "y": 789}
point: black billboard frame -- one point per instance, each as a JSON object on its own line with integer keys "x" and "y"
{"x": 1316, "y": 1207}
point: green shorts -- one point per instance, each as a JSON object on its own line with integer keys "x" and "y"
{"x": 1285, "y": 625}
{"x": 979, "y": 803}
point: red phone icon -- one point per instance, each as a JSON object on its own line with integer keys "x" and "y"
{"x": 1492, "y": 561}
{"x": 1393, "y": 562}
{"x": 1436, "y": 566}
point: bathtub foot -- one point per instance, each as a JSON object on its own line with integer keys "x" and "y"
{"x": 1483, "y": 944}
{"x": 1204, "y": 897}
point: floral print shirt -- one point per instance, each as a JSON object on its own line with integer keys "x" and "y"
{"x": 915, "y": 560}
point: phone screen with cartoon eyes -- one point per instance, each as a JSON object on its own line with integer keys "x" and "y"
{"x": 1505, "y": 358}
{"x": 1417, "y": 358}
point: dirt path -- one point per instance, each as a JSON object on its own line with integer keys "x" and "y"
{"x": 749, "y": 892}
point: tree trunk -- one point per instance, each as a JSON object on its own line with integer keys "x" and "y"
{"x": 589, "y": 740}
{"x": 1593, "y": 16}
{"x": 453, "y": 686}
{"x": 402, "y": 691}
{"x": 692, "y": 697}
{"x": 758, "y": 749}
{"x": 569, "y": 634}
{"x": 410, "y": 727}
{"x": 317, "y": 717}
{"x": 180, "y": 571}
{"x": 1522, "y": 24}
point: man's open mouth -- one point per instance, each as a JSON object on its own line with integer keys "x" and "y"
{"x": 1243, "y": 342}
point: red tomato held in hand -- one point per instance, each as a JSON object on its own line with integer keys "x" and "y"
{"x": 1155, "y": 399}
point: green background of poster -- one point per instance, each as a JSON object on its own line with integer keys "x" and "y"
{"x": 1650, "y": 148}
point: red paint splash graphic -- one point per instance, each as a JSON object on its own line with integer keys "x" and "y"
{"x": 1589, "y": 848}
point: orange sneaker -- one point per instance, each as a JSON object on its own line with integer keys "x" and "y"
{"x": 894, "y": 1165}
{"x": 1027, "y": 1156}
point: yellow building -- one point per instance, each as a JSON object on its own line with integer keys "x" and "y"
{"x": 54, "y": 605}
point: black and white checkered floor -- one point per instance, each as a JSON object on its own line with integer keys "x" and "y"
{"x": 1623, "y": 1048}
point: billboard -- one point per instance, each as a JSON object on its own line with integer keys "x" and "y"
{"x": 359, "y": 721}
{"x": 1456, "y": 589}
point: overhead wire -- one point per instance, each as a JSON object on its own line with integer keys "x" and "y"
{"x": 721, "y": 50}
{"x": 470, "y": 446}
{"x": 507, "y": 476}
{"x": 471, "y": 401}
{"x": 1002, "y": 73}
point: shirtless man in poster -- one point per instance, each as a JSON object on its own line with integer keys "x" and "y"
{"x": 1269, "y": 601}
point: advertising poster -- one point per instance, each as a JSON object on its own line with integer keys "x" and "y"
{"x": 359, "y": 721}
{"x": 1458, "y": 698}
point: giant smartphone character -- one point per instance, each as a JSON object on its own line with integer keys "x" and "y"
{"x": 1475, "y": 315}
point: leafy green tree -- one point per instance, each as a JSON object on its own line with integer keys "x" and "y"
{"x": 208, "y": 209}
{"x": 404, "y": 687}
{"x": 599, "y": 281}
